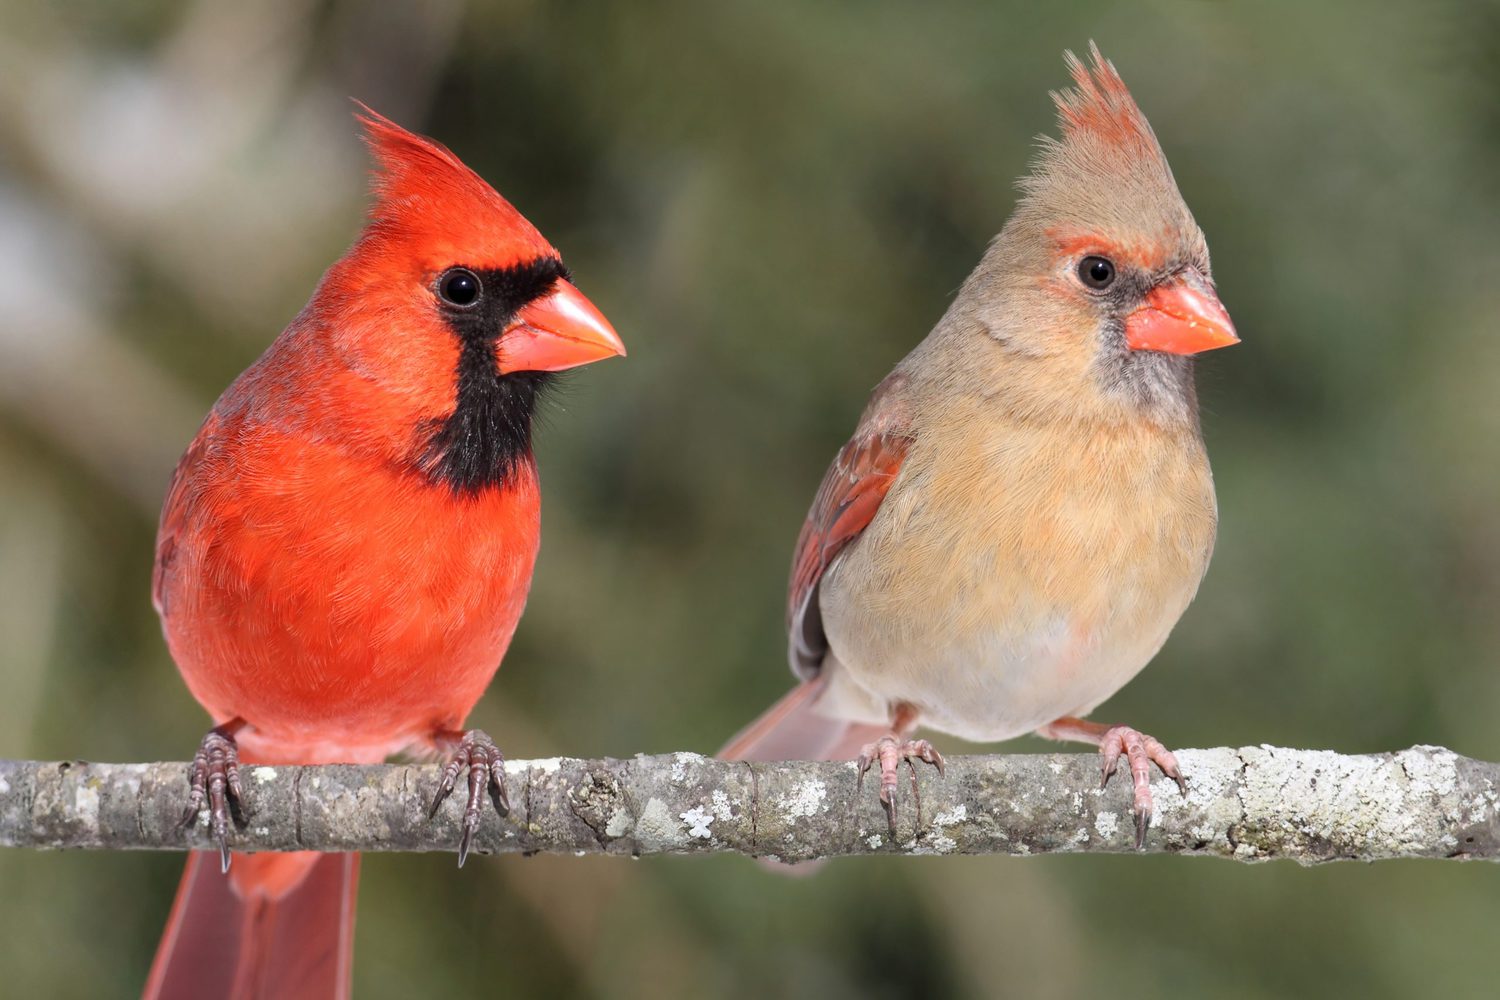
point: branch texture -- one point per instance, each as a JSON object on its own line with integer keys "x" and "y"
{"x": 1250, "y": 804}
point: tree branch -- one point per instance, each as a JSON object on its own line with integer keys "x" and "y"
{"x": 1250, "y": 804}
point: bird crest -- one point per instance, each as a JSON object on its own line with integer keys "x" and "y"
{"x": 1100, "y": 107}
{"x": 1103, "y": 130}
{"x": 422, "y": 191}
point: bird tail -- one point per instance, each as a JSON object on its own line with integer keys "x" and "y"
{"x": 277, "y": 925}
{"x": 793, "y": 729}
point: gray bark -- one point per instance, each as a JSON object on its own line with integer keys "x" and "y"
{"x": 1250, "y": 804}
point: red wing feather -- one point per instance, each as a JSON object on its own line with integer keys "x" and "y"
{"x": 845, "y": 504}
{"x": 174, "y": 512}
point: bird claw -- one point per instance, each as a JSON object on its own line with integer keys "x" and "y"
{"x": 486, "y": 765}
{"x": 889, "y": 751}
{"x": 1140, "y": 752}
{"x": 215, "y": 777}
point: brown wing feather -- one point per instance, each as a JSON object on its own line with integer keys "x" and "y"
{"x": 846, "y": 502}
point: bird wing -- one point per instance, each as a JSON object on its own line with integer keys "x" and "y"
{"x": 174, "y": 510}
{"x": 846, "y": 502}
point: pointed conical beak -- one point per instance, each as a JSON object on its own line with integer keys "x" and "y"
{"x": 562, "y": 329}
{"x": 1180, "y": 316}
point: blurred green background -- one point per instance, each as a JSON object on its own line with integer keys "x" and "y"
{"x": 774, "y": 202}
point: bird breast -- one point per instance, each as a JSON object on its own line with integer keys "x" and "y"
{"x": 332, "y": 601}
{"x": 1015, "y": 574}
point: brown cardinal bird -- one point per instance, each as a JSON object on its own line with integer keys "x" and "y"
{"x": 347, "y": 545}
{"x": 1026, "y": 508}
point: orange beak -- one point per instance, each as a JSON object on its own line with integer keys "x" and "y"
{"x": 562, "y": 329}
{"x": 1180, "y": 316}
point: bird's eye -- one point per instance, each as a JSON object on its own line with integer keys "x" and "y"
{"x": 1096, "y": 272}
{"x": 459, "y": 287}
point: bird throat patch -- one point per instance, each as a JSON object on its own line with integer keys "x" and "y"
{"x": 488, "y": 435}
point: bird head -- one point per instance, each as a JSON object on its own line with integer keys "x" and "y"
{"x": 453, "y": 309}
{"x": 1102, "y": 268}
{"x": 448, "y": 249}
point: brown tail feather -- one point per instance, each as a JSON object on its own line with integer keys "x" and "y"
{"x": 792, "y": 730}
{"x": 279, "y": 925}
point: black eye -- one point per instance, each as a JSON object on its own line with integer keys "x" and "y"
{"x": 459, "y": 287}
{"x": 1096, "y": 272}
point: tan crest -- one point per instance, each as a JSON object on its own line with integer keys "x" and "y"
{"x": 1099, "y": 104}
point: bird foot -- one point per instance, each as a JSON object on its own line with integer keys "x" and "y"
{"x": 1140, "y": 752}
{"x": 215, "y": 777}
{"x": 889, "y": 751}
{"x": 486, "y": 765}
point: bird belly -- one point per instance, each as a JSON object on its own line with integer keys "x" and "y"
{"x": 997, "y": 685}
{"x": 999, "y": 682}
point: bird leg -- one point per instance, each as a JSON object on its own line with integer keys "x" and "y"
{"x": 215, "y": 776}
{"x": 486, "y": 764}
{"x": 889, "y": 751}
{"x": 1140, "y": 751}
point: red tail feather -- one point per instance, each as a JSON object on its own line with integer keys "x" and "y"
{"x": 278, "y": 926}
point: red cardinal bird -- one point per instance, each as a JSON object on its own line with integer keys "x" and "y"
{"x": 347, "y": 545}
{"x": 1026, "y": 508}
